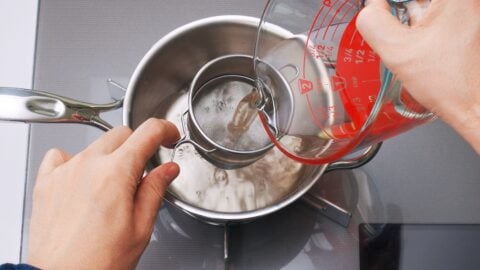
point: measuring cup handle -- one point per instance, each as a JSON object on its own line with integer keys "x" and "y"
{"x": 25, "y": 105}
{"x": 355, "y": 162}
{"x": 406, "y": 10}
{"x": 329, "y": 209}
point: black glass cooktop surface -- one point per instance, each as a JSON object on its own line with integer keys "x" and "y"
{"x": 428, "y": 175}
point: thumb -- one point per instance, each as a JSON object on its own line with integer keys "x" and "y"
{"x": 380, "y": 29}
{"x": 150, "y": 193}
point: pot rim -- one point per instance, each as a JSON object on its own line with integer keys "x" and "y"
{"x": 210, "y": 215}
{"x": 165, "y": 40}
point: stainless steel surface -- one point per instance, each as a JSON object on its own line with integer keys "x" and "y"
{"x": 186, "y": 138}
{"x": 234, "y": 68}
{"x": 329, "y": 209}
{"x": 356, "y": 160}
{"x": 226, "y": 241}
{"x": 159, "y": 90}
{"x": 261, "y": 188}
{"x": 428, "y": 175}
{"x": 30, "y": 106}
{"x": 334, "y": 212}
{"x": 116, "y": 90}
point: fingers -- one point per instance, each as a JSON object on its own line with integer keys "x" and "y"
{"x": 378, "y": 3}
{"x": 150, "y": 194}
{"x": 110, "y": 140}
{"x": 146, "y": 140}
{"x": 52, "y": 159}
{"x": 382, "y": 31}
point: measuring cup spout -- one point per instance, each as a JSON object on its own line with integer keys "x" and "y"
{"x": 25, "y": 105}
{"x": 267, "y": 107}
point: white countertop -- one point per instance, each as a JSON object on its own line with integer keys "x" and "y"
{"x": 18, "y": 21}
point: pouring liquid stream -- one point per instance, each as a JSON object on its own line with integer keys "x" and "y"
{"x": 244, "y": 115}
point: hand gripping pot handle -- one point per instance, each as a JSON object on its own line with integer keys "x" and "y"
{"x": 24, "y": 105}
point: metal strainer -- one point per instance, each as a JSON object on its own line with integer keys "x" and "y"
{"x": 222, "y": 119}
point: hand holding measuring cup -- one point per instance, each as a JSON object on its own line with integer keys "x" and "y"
{"x": 437, "y": 59}
{"x": 343, "y": 97}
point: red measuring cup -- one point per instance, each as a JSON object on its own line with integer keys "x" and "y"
{"x": 342, "y": 98}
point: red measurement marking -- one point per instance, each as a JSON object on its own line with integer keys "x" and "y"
{"x": 333, "y": 18}
{"x": 308, "y": 39}
{"x": 327, "y": 3}
{"x": 360, "y": 66}
{"x": 322, "y": 51}
{"x": 305, "y": 86}
{"x": 357, "y": 63}
{"x": 341, "y": 19}
{"x": 319, "y": 85}
{"x": 314, "y": 114}
{"x": 339, "y": 83}
{"x": 355, "y": 32}
{"x": 332, "y": 110}
{"x": 343, "y": 131}
{"x": 324, "y": 18}
{"x": 322, "y": 112}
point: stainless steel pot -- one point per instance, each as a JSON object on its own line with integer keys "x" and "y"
{"x": 159, "y": 86}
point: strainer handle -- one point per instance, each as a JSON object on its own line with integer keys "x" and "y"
{"x": 186, "y": 137}
{"x": 25, "y": 105}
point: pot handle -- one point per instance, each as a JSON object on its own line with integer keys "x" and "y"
{"x": 357, "y": 161}
{"x": 329, "y": 209}
{"x": 25, "y": 105}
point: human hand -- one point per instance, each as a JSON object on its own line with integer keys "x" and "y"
{"x": 437, "y": 58}
{"x": 88, "y": 210}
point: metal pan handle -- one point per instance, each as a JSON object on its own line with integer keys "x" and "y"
{"x": 24, "y": 105}
{"x": 363, "y": 158}
{"x": 329, "y": 209}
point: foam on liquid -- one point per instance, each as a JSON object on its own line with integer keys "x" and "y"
{"x": 225, "y": 113}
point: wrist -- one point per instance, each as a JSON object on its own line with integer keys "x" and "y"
{"x": 465, "y": 120}
{"x": 470, "y": 129}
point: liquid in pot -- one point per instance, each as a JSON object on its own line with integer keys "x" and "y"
{"x": 261, "y": 184}
{"x": 224, "y": 112}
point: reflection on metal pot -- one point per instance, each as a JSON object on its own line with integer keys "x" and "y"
{"x": 258, "y": 185}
